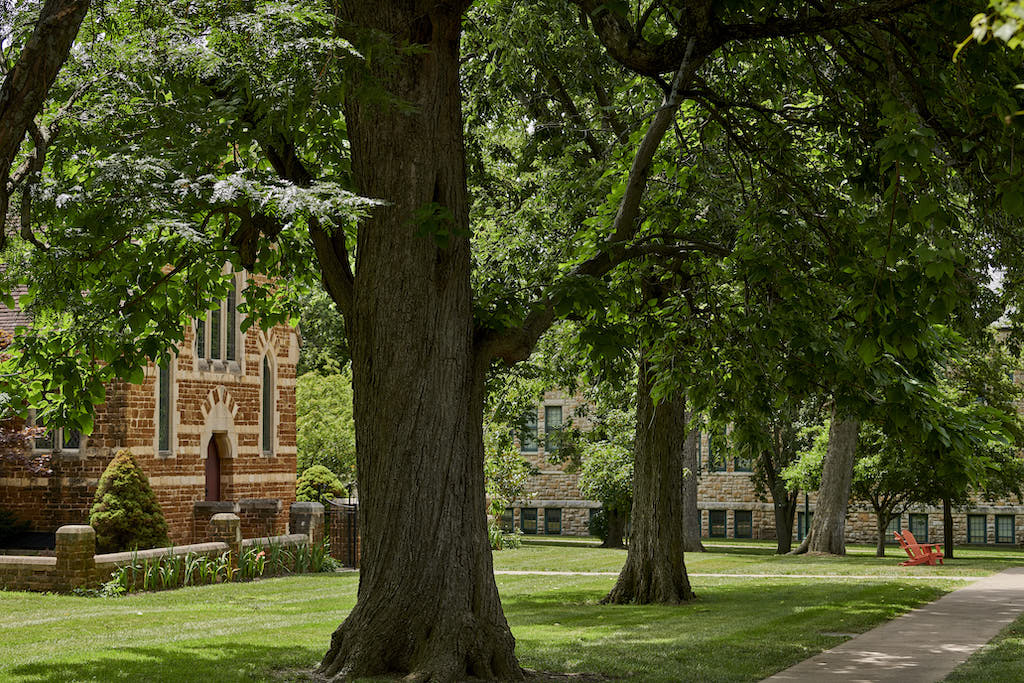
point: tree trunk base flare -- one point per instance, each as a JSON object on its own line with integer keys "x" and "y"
{"x": 654, "y": 570}
{"x": 437, "y": 647}
{"x": 828, "y": 530}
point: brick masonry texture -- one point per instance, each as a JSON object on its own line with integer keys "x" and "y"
{"x": 215, "y": 400}
{"x": 731, "y": 491}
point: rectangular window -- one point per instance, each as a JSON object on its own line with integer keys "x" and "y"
{"x": 552, "y": 428}
{"x": 553, "y": 521}
{"x": 742, "y": 465}
{"x": 528, "y": 517}
{"x": 268, "y": 408}
{"x": 919, "y": 526}
{"x": 507, "y": 521}
{"x": 164, "y": 408}
{"x": 803, "y": 525}
{"x": 71, "y": 439}
{"x": 716, "y": 454}
{"x": 716, "y": 523}
{"x": 231, "y": 331}
{"x": 893, "y": 527}
{"x": 1005, "y": 532}
{"x": 215, "y": 333}
{"x": 47, "y": 440}
{"x": 201, "y": 337}
{"x": 743, "y": 524}
{"x": 528, "y": 435}
{"x": 976, "y": 532}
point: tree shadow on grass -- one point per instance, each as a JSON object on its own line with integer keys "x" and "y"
{"x": 221, "y": 663}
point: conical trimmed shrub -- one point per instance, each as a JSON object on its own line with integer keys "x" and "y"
{"x": 125, "y": 512}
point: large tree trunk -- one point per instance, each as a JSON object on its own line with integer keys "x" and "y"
{"x": 828, "y": 530}
{"x": 427, "y": 605}
{"x": 691, "y": 513}
{"x": 947, "y": 528}
{"x": 784, "y": 504}
{"x": 654, "y": 570}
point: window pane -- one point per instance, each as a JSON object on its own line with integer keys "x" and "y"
{"x": 529, "y": 520}
{"x": 716, "y": 454}
{"x": 215, "y": 332}
{"x": 803, "y": 525}
{"x": 201, "y": 337}
{"x": 164, "y": 410}
{"x": 528, "y": 437}
{"x": 507, "y": 518}
{"x": 743, "y": 521}
{"x": 230, "y": 331}
{"x": 553, "y": 521}
{"x": 1004, "y": 529}
{"x": 552, "y": 427}
{"x": 44, "y": 441}
{"x": 716, "y": 523}
{"x": 919, "y": 527}
{"x": 743, "y": 465}
{"x": 891, "y": 528}
{"x": 72, "y": 439}
{"x": 268, "y": 408}
{"x": 976, "y": 529}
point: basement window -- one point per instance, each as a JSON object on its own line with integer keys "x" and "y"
{"x": 743, "y": 524}
{"x": 717, "y": 523}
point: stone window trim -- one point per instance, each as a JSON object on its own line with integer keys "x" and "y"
{"x": 203, "y": 357}
{"x": 58, "y": 449}
{"x": 173, "y": 419}
{"x": 268, "y": 366}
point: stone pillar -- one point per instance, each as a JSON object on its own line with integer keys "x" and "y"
{"x": 226, "y": 527}
{"x": 76, "y": 557}
{"x": 307, "y": 518}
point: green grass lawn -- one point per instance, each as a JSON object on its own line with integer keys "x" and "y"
{"x": 737, "y": 630}
{"x": 1000, "y": 660}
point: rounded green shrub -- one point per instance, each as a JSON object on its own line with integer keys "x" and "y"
{"x": 319, "y": 485}
{"x": 125, "y": 512}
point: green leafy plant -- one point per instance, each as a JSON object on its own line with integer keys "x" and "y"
{"x": 125, "y": 511}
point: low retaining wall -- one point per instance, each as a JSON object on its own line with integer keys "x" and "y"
{"x": 76, "y": 564}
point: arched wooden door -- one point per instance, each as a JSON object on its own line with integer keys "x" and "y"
{"x": 212, "y": 470}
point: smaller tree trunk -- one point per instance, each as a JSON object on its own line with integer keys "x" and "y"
{"x": 616, "y": 529}
{"x": 654, "y": 571}
{"x": 691, "y": 513}
{"x": 784, "y": 504}
{"x": 947, "y": 528}
{"x": 882, "y": 520}
{"x": 828, "y": 530}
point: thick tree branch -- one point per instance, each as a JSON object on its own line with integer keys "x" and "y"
{"x": 517, "y": 343}
{"x": 28, "y": 82}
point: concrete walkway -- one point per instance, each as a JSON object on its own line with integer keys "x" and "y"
{"x": 723, "y": 575}
{"x": 925, "y": 644}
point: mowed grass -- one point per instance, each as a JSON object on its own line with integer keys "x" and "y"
{"x": 756, "y": 557}
{"x": 737, "y": 630}
{"x": 1000, "y": 660}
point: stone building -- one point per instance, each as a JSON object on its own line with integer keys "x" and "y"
{"x": 213, "y": 426}
{"x": 726, "y": 498}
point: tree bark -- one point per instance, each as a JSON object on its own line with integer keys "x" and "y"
{"x": 882, "y": 521}
{"x": 947, "y": 528}
{"x": 28, "y": 83}
{"x": 427, "y": 606}
{"x": 691, "y": 513}
{"x": 654, "y": 570}
{"x": 616, "y": 529}
{"x": 828, "y": 530}
{"x": 784, "y": 503}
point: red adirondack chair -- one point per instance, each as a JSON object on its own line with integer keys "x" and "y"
{"x": 919, "y": 553}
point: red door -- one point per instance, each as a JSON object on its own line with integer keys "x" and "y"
{"x": 212, "y": 471}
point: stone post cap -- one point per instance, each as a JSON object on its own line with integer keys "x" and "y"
{"x": 76, "y": 530}
{"x": 225, "y": 518}
{"x": 306, "y": 506}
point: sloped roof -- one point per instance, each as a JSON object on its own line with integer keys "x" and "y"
{"x": 12, "y": 317}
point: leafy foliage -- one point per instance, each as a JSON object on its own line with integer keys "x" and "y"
{"x": 325, "y": 428}
{"x": 319, "y": 485}
{"x": 125, "y": 512}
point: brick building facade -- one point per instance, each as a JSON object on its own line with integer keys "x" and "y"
{"x": 213, "y": 426}
{"x": 726, "y": 498}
